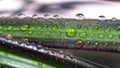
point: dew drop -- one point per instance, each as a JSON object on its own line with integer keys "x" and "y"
{"x": 35, "y": 16}
{"x": 101, "y": 36}
{"x": 55, "y": 16}
{"x": 70, "y": 32}
{"x": 46, "y": 15}
{"x": 78, "y": 26}
{"x": 10, "y": 28}
{"x": 114, "y": 19}
{"x": 39, "y": 32}
{"x": 80, "y": 16}
{"x": 48, "y": 32}
{"x": 87, "y": 43}
{"x": 30, "y": 32}
{"x": 107, "y": 30}
{"x": 110, "y": 36}
{"x": 95, "y": 28}
{"x": 21, "y": 16}
{"x": 83, "y": 35}
{"x": 1, "y": 27}
{"x": 105, "y": 45}
{"x": 118, "y": 48}
{"x": 96, "y": 45}
{"x": 24, "y": 27}
{"x": 54, "y": 28}
{"x": 101, "y": 17}
{"x": 79, "y": 44}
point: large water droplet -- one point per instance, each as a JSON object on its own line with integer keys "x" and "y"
{"x": 24, "y": 27}
{"x": 101, "y": 17}
{"x": 80, "y": 16}
{"x": 70, "y": 32}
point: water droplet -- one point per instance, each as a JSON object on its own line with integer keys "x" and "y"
{"x": 101, "y": 36}
{"x": 24, "y": 27}
{"x": 55, "y": 16}
{"x": 48, "y": 32}
{"x": 1, "y": 27}
{"x": 39, "y": 32}
{"x": 114, "y": 19}
{"x": 91, "y": 35}
{"x": 107, "y": 30}
{"x": 95, "y": 28}
{"x": 79, "y": 44}
{"x": 35, "y": 16}
{"x": 101, "y": 17}
{"x": 46, "y": 15}
{"x": 8, "y": 36}
{"x": 30, "y": 32}
{"x": 86, "y": 28}
{"x": 78, "y": 26}
{"x": 96, "y": 45}
{"x": 83, "y": 35}
{"x": 21, "y": 16}
{"x": 87, "y": 43}
{"x": 110, "y": 36}
{"x": 105, "y": 45}
{"x": 118, "y": 48}
{"x": 10, "y": 28}
{"x": 54, "y": 28}
{"x": 70, "y": 32}
{"x": 118, "y": 28}
{"x": 80, "y": 16}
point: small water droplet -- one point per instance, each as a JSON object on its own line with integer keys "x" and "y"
{"x": 96, "y": 45}
{"x": 110, "y": 36}
{"x": 78, "y": 26}
{"x": 114, "y": 19}
{"x": 80, "y": 16}
{"x": 1, "y": 27}
{"x": 55, "y": 16}
{"x": 21, "y": 16}
{"x": 107, "y": 30}
{"x": 118, "y": 48}
{"x": 46, "y": 15}
{"x": 105, "y": 45}
{"x": 39, "y": 32}
{"x": 48, "y": 32}
{"x": 10, "y": 28}
{"x": 79, "y": 44}
{"x": 101, "y": 17}
{"x": 35, "y": 16}
{"x": 95, "y": 28}
{"x": 101, "y": 36}
{"x": 87, "y": 43}
{"x": 83, "y": 35}
{"x": 70, "y": 32}
{"x": 24, "y": 27}
{"x": 54, "y": 28}
{"x": 30, "y": 32}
